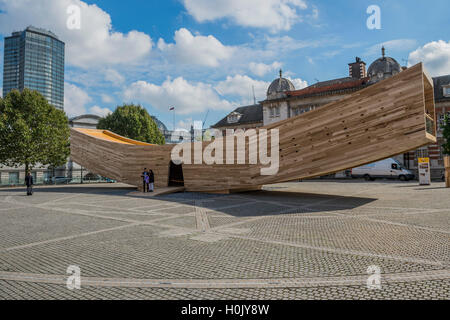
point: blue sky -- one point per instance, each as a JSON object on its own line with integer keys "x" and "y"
{"x": 200, "y": 55}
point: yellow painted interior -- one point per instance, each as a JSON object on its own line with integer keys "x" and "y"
{"x": 109, "y": 136}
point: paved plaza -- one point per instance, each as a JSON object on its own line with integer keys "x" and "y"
{"x": 306, "y": 240}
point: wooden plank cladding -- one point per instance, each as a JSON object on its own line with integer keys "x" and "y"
{"x": 386, "y": 119}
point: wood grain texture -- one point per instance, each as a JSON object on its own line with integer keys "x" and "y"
{"x": 383, "y": 120}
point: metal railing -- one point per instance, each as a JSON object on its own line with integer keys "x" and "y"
{"x": 11, "y": 178}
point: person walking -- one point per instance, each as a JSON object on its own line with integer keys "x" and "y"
{"x": 29, "y": 183}
{"x": 144, "y": 183}
{"x": 151, "y": 180}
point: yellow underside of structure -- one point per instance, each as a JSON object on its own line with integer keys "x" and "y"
{"x": 109, "y": 136}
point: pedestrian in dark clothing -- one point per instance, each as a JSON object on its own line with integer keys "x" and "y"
{"x": 151, "y": 180}
{"x": 144, "y": 183}
{"x": 29, "y": 183}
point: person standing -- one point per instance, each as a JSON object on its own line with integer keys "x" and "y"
{"x": 144, "y": 183}
{"x": 147, "y": 181}
{"x": 151, "y": 180}
{"x": 29, "y": 183}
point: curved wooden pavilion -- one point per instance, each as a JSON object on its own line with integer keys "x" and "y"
{"x": 386, "y": 119}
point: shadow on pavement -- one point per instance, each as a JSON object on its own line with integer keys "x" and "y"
{"x": 265, "y": 202}
{"x": 254, "y": 203}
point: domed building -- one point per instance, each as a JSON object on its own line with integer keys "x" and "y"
{"x": 383, "y": 68}
{"x": 166, "y": 132}
{"x": 161, "y": 126}
{"x": 278, "y": 87}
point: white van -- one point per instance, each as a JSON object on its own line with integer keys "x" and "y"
{"x": 388, "y": 168}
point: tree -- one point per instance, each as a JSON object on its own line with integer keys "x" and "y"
{"x": 32, "y": 131}
{"x": 446, "y": 135}
{"x": 133, "y": 122}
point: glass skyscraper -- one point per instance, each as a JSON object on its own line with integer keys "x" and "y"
{"x": 34, "y": 59}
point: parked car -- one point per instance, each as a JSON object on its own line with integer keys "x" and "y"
{"x": 61, "y": 180}
{"x": 388, "y": 168}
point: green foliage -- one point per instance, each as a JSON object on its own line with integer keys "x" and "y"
{"x": 132, "y": 122}
{"x": 32, "y": 131}
{"x": 446, "y": 134}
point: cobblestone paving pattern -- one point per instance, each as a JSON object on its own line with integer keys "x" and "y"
{"x": 321, "y": 235}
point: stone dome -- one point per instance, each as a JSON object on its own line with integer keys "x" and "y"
{"x": 161, "y": 126}
{"x": 383, "y": 68}
{"x": 278, "y": 86}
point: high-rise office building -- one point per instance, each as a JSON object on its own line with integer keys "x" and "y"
{"x": 34, "y": 59}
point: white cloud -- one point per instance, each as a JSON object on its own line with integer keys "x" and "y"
{"x": 75, "y": 100}
{"x": 435, "y": 56}
{"x": 298, "y": 83}
{"x": 107, "y": 98}
{"x": 392, "y": 45}
{"x": 315, "y": 13}
{"x": 261, "y": 69}
{"x": 241, "y": 86}
{"x": 186, "y": 97}
{"x": 95, "y": 44}
{"x": 200, "y": 50}
{"x": 114, "y": 77}
{"x": 275, "y": 15}
{"x": 289, "y": 44}
{"x": 102, "y": 112}
{"x": 185, "y": 124}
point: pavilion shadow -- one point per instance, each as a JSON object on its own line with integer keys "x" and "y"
{"x": 247, "y": 204}
{"x": 260, "y": 203}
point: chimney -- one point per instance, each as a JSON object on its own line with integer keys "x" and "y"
{"x": 357, "y": 69}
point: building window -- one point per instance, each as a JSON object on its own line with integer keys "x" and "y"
{"x": 233, "y": 117}
{"x": 277, "y": 111}
{"x": 47, "y": 177}
{"x": 13, "y": 178}
{"x": 447, "y": 91}
{"x": 274, "y": 111}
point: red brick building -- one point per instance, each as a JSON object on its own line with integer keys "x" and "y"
{"x": 442, "y": 102}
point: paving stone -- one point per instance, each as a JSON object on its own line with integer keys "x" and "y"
{"x": 306, "y": 230}
{"x": 416, "y": 290}
{"x": 28, "y": 225}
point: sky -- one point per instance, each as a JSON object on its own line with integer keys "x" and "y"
{"x": 205, "y": 57}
